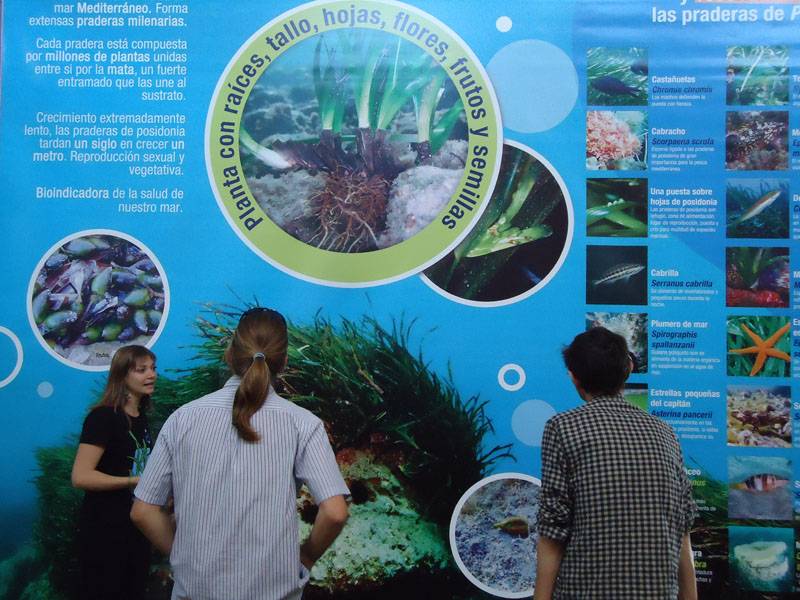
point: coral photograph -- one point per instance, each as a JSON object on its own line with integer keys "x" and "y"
{"x": 616, "y": 140}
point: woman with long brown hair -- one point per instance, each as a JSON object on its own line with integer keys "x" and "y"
{"x": 115, "y": 441}
{"x": 232, "y": 461}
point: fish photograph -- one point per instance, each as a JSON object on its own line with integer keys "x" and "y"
{"x": 631, "y": 326}
{"x": 616, "y": 77}
{"x": 616, "y": 207}
{"x": 616, "y": 274}
{"x": 757, "y": 76}
{"x": 616, "y": 140}
{"x": 759, "y": 416}
{"x": 758, "y": 346}
{"x": 520, "y": 239}
{"x": 93, "y": 294}
{"x": 761, "y": 558}
{"x": 354, "y": 141}
{"x": 758, "y": 488}
{"x": 757, "y": 208}
{"x": 757, "y": 277}
{"x": 493, "y": 534}
{"x": 757, "y": 140}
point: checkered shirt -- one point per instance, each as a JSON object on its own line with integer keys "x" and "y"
{"x": 615, "y": 491}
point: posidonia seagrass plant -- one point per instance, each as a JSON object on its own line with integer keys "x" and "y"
{"x": 364, "y": 382}
{"x": 362, "y": 82}
{"x": 376, "y": 398}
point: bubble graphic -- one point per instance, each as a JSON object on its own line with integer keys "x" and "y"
{"x": 18, "y": 362}
{"x": 536, "y": 85}
{"x": 528, "y": 421}
{"x": 514, "y": 385}
{"x": 44, "y": 389}
{"x": 503, "y": 24}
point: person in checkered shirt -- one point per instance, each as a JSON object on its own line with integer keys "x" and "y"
{"x": 616, "y": 505}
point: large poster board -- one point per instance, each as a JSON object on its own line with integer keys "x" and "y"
{"x": 438, "y": 195}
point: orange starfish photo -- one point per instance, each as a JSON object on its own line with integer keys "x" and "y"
{"x": 767, "y": 340}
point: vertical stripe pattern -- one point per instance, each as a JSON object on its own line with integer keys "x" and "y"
{"x": 235, "y": 502}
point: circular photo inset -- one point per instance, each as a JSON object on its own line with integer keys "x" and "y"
{"x": 520, "y": 241}
{"x": 344, "y": 167}
{"x": 94, "y": 292}
{"x": 493, "y": 534}
{"x": 351, "y": 148}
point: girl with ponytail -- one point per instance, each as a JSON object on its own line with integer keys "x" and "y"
{"x": 256, "y": 352}
{"x": 232, "y": 461}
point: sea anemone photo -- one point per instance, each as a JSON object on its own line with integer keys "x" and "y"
{"x": 616, "y": 140}
{"x": 757, "y": 75}
{"x": 354, "y": 141}
{"x": 93, "y": 293}
{"x": 757, "y": 140}
{"x": 762, "y": 558}
{"x": 759, "y": 488}
{"x": 757, "y": 208}
{"x": 757, "y": 276}
{"x": 616, "y": 77}
{"x": 493, "y": 534}
{"x": 758, "y": 346}
{"x": 519, "y": 241}
{"x": 616, "y": 207}
{"x": 759, "y": 416}
{"x": 616, "y": 274}
{"x": 631, "y": 326}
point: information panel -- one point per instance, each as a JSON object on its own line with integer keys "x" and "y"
{"x": 438, "y": 195}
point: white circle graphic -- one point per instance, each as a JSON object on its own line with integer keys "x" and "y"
{"x": 18, "y": 364}
{"x": 45, "y": 389}
{"x": 503, "y": 24}
{"x": 511, "y": 368}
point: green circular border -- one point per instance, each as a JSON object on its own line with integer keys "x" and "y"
{"x": 366, "y": 268}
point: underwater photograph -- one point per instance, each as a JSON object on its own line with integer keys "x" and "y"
{"x": 758, "y": 346}
{"x": 757, "y": 277}
{"x": 616, "y": 77}
{"x": 616, "y": 140}
{"x": 757, "y": 208}
{"x": 518, "y": 242}
{"x": 353, "y": 141}
{"x": 383, "y": 408}
{"x": 759, "y": 416}
{"x": 616, "y": 275}
{"x": 631, "y": 326}
{"x": 94, "y": 294}
{"x": 757, "y": 75}
{"x": 762, "y": 558}
{"x": 758, "y": 488}
{"x": 757, "y": 141}
{"x": 636, "y": 394}
{"x": 494, "y": 535}
{"x": 616, "y": 207}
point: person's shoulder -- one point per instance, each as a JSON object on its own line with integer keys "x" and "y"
{"x": 569, "y": 416}
{"x": 302, "y": 416}
{"x": 103, "y": 413}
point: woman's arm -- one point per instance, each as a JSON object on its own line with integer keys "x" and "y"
{"x": 331, "y": 517}
{"x": 85, "y": 475}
